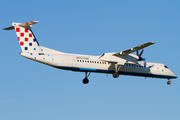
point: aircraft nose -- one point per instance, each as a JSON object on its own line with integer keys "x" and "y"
{"x": 174, "y": 75}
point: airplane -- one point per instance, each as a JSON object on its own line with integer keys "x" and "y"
{"x": 116, "y": 63}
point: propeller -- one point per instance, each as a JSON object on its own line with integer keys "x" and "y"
{"x": 139, "y": 55}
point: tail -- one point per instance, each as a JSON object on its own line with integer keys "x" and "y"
{"x": 26, "y": 38}
{"x": 30, "y": 46}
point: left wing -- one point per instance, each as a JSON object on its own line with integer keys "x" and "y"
{"x": 131, "y": 50}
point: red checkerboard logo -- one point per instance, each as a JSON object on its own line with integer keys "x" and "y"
{"x": 21, "y": 43}
{"x": 26, "y": 30}
{"x": 30, "y": 35}
{"x": 17, "y": 29}
{"x": 26, "y": 39}
{"x": 22, "y": 34}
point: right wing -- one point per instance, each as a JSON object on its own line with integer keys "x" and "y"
{"x": 131, "y": 50}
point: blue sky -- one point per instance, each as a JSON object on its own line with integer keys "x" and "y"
{"x": 32, "y": 91}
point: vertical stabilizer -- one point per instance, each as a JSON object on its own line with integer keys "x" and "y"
{"x": 26, "y": 38}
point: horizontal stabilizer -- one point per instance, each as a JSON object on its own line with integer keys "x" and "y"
{"x": 9, "y": 28}
{"x": 27, "y": 24}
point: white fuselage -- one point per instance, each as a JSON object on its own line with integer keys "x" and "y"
{"x": 87, "y": 63}
{"x": 118, "y": 63}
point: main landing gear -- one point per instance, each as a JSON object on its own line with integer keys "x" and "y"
{"x": 169, "y": 81}
{"x": 116, "y": 74}
{"x": 85, "y": 80}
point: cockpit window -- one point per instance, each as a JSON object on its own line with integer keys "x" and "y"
{"x": 165, "y": 66}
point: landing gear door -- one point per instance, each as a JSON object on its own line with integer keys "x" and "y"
{"x": 74, "y": 62}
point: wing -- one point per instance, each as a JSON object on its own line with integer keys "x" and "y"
{"x": 131, "y": 50}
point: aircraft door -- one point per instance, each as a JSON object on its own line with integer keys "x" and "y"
{"x": 74, "y": 62}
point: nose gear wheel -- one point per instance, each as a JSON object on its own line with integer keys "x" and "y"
{"x": 169, "y": 81}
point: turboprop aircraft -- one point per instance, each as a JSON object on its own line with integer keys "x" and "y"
{"x": 120, "y": 63}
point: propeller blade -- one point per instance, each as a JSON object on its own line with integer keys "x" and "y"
{"x": 141, "y": 53}
{"x": 137, "y": 53}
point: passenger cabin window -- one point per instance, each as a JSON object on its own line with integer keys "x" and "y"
{"x": 97, "y": 62}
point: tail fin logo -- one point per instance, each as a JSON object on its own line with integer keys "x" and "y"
{"x": 26, "y": 38}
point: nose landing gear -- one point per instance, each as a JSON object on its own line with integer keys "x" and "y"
{"x": 169, "y": 81}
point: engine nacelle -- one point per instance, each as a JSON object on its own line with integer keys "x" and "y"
{"x": 120, "y": 59}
